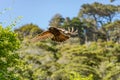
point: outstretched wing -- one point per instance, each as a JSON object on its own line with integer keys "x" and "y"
{"x": 42, "y": 36}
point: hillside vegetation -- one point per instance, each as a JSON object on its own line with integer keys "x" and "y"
{"x": 92, "y": 54}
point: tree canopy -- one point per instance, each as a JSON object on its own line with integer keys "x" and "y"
{"x": 101, "y": 13}
{"x": 28, "y": 30}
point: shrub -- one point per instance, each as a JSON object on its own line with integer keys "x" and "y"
{"x": 8, "y": 44}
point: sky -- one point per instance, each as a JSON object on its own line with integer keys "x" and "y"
{"x": 40, "y": 12}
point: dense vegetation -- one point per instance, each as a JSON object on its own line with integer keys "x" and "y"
{"x": 93, "y": 54}
{"x": 8, "y": 58}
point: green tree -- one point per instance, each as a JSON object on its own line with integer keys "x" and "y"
{"x": 56, "y": 21}
{"x": 101, "y": 13}
{"x": 77, "y": 24}
{"x": 95, "y": 16}
{"x": 89, "y": 30}
{"x": 67, "y": 23}
{"x": 112, "y": 31}
{"x": 28, "y": 30}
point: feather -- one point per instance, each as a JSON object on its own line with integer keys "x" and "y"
{"x": 42, "y": 36}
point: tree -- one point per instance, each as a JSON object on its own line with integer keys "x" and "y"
{"x": 112, "y": 31}
{"x": 56, "y": 21}
{"x": 90, "y": 31}
{"x": 77, "y": 24}
{"x": 101, "y": 13}
{"x": 95, "y": 16}
{"x": 28, "y": 30}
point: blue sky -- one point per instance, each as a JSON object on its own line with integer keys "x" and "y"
{"x": 40, "y": 12}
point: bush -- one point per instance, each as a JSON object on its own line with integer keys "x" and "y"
{"x": 8, "y": 44}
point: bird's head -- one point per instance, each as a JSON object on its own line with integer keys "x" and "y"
{"x": 52, "y": 29}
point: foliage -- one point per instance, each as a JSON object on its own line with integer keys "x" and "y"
{"x": 95, "y": 16}
{"x": 76, "y": 24}
{"x": 8, "y": 44}
{"x": 76, "y": 76}
{"x": 105, "y": 12}
{"x": 97, "y": 59}
{"x": 113, "y": 31}
{"x": 28, "y": 30}
{"x": 56, "y": 21}
{"x": 44, "y": 60}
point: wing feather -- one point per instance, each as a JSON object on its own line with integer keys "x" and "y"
{"x": 42, "y": 36}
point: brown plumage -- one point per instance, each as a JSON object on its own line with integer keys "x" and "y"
{"x": 55, "y": 34}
